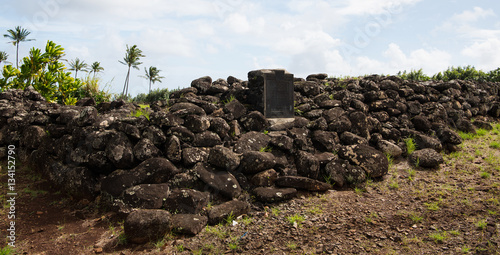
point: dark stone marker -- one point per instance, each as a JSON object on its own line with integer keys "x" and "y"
{"x": 275, "y": 92}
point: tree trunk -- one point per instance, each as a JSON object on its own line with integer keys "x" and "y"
{"x": 17, "y": 55}
{"x": 126, "y": 81}
{"x": 149, "y": 86}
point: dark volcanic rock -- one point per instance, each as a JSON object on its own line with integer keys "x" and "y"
{"x": 145, "y": 149}
{"x": 272, "y": 195}
{"x": 251, "y": 141}
{"x": 146, "y": 196}
{"x": 372, "y": 161}
{"x": 307, "y": 164}
{"x": 253, "y": 162}
{"x": 427, "y": 158}
{"x": 234, "y": 208}
{"x": 224, "y": 158}
{"x": 265, "y": 178}
{"x": 143, "y": 225}
{"x": 186, "y": 201}
{"x": 190, "y": 224}
{"x": 254, "y": 121}
{"x": 206, "y": 139}
{"x": 303, "y": 183}
{"x": 222, "y": 181}
{"x": 193, "y": 155}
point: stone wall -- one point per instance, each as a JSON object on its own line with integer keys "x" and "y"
{"x": 208, "y": 144}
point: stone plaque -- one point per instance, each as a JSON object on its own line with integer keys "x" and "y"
{"x": 278, "y": 94}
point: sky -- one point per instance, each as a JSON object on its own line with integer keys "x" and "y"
{"x": 188, "y": 39}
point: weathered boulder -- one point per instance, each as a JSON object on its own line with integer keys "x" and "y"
{"x": 235, "y": 108}
{"x": 186, "y": 201}
{"x": 143, "y": 225}
{"x": 173, "y": 150}
{"x": 265, "y": 178}
{"x": 221, "y": 212}
{"x": 145, "y": 149}
{"x": 428, "y": 158}
{"x": 221, "y": 181}
{"x": 423, "y": 141}
{"x": 146, "y": 196}
{"x": 303, "y": 183}
{"x": 202, "y": 84}
{"x": 206, "y": 139}
{"x": 307, "y": 164}
{"x": 372, "y": 161}
{"x": 272, "y": 195}
{"x": 33, "y": 136}
{"x": 251, "y": 141}
{"x": 196, "y": 123}
{"x": 253, "y": 162}
{"x": 190, "y": 224}
{"x": 224, "y": 158}
{"x": 254, "y": 121}
{"x": 119, "y": 151}
{"x": 193, "y": 155}
{"x": 153, "y": 170}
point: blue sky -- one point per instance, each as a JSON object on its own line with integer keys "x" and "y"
{"x": 188, "y": 39}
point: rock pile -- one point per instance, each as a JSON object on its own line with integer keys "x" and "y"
{"x": 207, "y": 152}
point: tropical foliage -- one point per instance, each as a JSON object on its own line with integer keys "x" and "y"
{"x": 131, "y": 59}
{"x": 18, "y": 35}
{"x": 153, "y": 96}
{"x": 96, "y": 67}
{"x": 77, "y": 65}
{"x": 3, "y": 56}
{"x": 453, "y": 73}
{"x": 153, "y": 75}
{"x": 47, "y": 74}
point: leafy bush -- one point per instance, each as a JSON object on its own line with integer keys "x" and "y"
{"x": 453, "y": 73}
{"x": 414, "y": 75}
{"x": 46, "y": 73}
{"x": 155, "y": 95}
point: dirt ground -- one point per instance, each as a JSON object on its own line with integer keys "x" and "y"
{"x": 451, "y": 210}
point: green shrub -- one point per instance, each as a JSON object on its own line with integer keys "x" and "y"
{"x": 46, "y": 73}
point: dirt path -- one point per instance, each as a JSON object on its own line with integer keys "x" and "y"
{"x": 452, "y": 210}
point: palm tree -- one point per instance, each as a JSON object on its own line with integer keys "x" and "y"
{"x": 131, "y": 59}
{"x": 77, "y": 65}
{"x": 96, "y": 67}
{"x": 153, "y": 75}
{"x": 18, "y": 35}
{"x": 3, "y": 56}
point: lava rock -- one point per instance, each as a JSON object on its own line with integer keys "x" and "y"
{"x": 142, "y": 226}
{"x": 190, "y": 224}
{"x": 186, "y": 201}
{"x": 222, "y": 182}
{"x": 224, "y": 158}
{"x": 428, "y": 158}
{"x": 303, "y": 183}
{"x": 372, "y": 161}
{"x": 273, "y": 195}
{"x": 264, "y": 178}
{"x": 233, "y": 208}
{"x": 253, "y": 162}
{"x": 146, "y": 196}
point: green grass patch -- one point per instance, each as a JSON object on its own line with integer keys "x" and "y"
{"x": 495, "y": 145}
{"x": 140, "y": 112}
{"x": 411, "y": 146}
{"x": 295, "y": 219}
{"x": 439, "y": 236}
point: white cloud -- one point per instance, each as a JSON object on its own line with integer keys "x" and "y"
{"x": 370, "y": 7}
{"x": 474, "y": 15}
{"x": 237, "y": 23}
{"x": 432, "y": 61}
{"x": 486, "y": 53}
